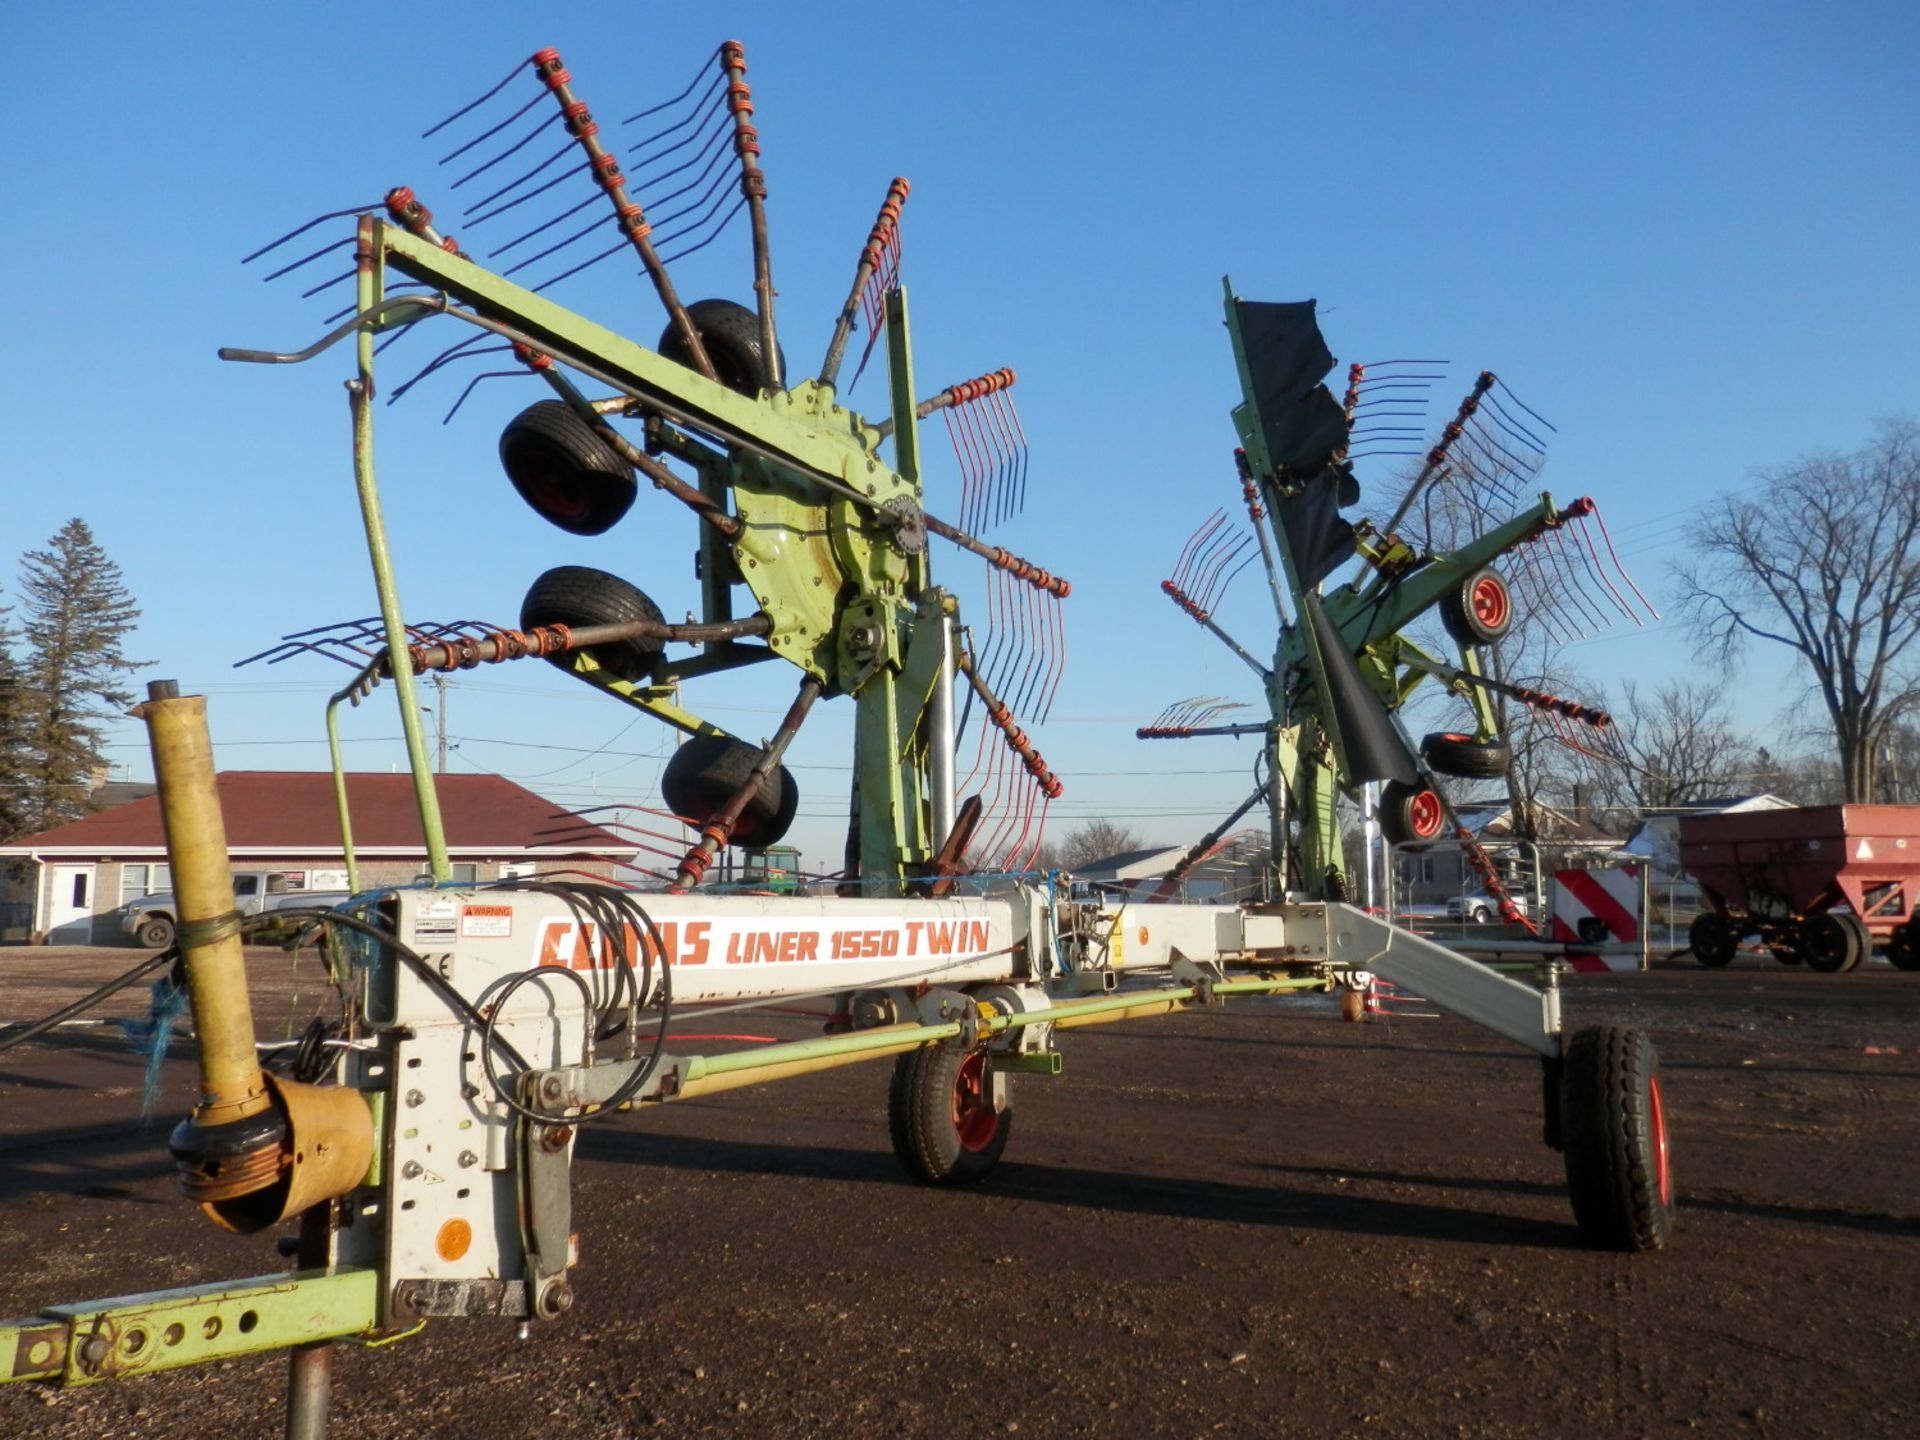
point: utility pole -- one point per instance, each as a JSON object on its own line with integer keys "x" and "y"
{"x": 440, "y": 721}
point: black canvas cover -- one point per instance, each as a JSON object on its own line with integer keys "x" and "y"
{"x": 1372, "y": 747}
{"x": 1287, "y": 358}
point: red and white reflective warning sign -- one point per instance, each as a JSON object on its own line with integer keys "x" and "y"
{"x": 1609, "y": 902}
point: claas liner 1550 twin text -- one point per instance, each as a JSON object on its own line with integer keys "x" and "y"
{"x": 421, "y": 1142}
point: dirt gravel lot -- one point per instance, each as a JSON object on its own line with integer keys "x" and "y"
{"x": 1254, "y": 1221}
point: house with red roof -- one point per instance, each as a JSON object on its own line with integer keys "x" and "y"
{"x": 285, "y": 821}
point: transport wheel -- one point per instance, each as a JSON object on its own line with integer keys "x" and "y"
{"x": 1831, "y": 943}
{"x": 940, "y": 1113}
{"x": 731, "y": 334}
{"x": 1903, "y": 946}
{"x": 157, "y": 933}
{"x": 1467, "y": 756}
{"x": 1480, "y": 611}
{"x": 1712, "y": 938}
{"x": 1410, "y": 814}
{"x": 706, "y": 771}
{"x": 1614, "y": 1133}
{"x": 579, "y": 595}
{"x": 564, "y": 470}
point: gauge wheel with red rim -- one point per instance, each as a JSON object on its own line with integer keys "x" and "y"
{"x": 1411, "y": 814}
{"x": 565, "y": 470}
{"x": 1903, "y": 946}
{"x": 1713, "y": 939}
{"x": 579, "y": 595}
{"x": 1481, "y": 610}
{"x": 1468, "y": 756}
{"x": 1834, "y": 941}
{"x": 1613, "y": 1130}
{"x": 941, "y": 1116}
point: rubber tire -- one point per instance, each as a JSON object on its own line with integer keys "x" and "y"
{"x": 1903, "y": 946}
{"x": 1467, "y": 756}
{"x": 156, "y": 934}
{"x": 580, "y": 595}
{"x": 1614, "y": 1135}
{"x": 1464, "y": 621}
{"x": 707, "y": 770}
{"x": 564, "y": 470}
{"x": 731, "y": 334}
{"x": 1833, "y": 943}
{"x": 920, "y": 1118}
{"x": 1397, "y": 822}
{"x": 1713, "y": 939}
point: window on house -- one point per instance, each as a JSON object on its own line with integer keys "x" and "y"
{"x": 137, "y": 881}
{"x": 464, "y": 872}
{"x": 80, "y": 890}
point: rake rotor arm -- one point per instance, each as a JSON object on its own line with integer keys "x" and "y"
{"x": 1206, "y": 622}
{"x": 753, "y": 185}
{"x": 633, "y": 224}
{"x": 1170, "y": 883}
{"x": 1194, "y": 732}
{"x": 884, "y": 224}
{"x": 1000, "y": 559}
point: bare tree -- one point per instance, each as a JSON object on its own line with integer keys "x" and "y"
{"x": 1670, "y": 751}
{"x": 1095, "y": 840}
{"x": 1824, "y": 559}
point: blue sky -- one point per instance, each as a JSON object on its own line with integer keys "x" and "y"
{"x": 1684, "y": 233}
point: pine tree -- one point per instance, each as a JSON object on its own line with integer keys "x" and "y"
{"x": 13, "y": 760}
{"x": 75, "y": 614}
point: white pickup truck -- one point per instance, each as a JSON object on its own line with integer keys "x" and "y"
{"x": 1480, "y": 909}
{"x": 152, "y": 919}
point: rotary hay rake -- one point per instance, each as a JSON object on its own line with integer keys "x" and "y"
{"x": 1343, "y": 663}
{"x": 793, "y": 500}
{"x": 422, "y": 1137}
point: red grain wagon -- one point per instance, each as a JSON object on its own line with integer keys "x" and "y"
{"x": 1824, "y": 884}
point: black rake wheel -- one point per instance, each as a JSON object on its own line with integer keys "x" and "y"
{"x": 578, "y": 595}
{"x": 707, "y": 771}
{"x": 1903, "y": 946}
{"x": 1832, "y": 942}
{"x": 731, "y": 335}
{"x": 565, "y": 470}
{"x": 1614, "y": 1134}
{"x": 1467, "y": 756}
{"x": 1712, "y": 938}
{"x": 941, "y": 1117}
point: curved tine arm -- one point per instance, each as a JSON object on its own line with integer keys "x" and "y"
{"x": 384, "y": 311}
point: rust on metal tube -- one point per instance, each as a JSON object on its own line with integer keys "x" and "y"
{"x": 633, "y": 223}
{"x": 753, "y": 185}
{"x": 884, "y": 225}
